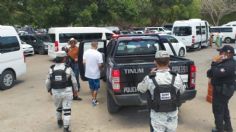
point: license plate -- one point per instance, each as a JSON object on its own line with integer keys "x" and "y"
{"x": 129, "y": 89}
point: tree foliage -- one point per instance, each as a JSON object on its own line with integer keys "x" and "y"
{"x": 123, "y": 13}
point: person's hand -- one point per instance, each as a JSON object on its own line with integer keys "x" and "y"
{"x": 217, "y": 58}
{"x": 50, "y": 92}
{"x": 76, "y": 59}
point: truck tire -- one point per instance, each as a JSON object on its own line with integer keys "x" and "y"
{"x": 112, "y": 107}
{"x": 7, "y": 79}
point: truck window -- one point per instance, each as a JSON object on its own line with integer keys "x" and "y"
{"x": 9, "y": 44}
{"x": 182, "y": 31}
{"x": 65, "y": 37}
{"x": 44, "y": 38}
{"x": 137, "y": 47}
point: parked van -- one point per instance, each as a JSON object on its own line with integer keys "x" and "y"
{"x": 61, "y": 35}
{"x": 194, "y": 33}
{"x": 233, "y": 23}
{"x": 160, "y": 30}
{"x": 12, "y": 60}
{"x": 228, "y": 33}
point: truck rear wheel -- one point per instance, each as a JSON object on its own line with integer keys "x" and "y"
{"x": 112, "y": 107}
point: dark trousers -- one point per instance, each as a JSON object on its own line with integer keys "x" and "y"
{"x": 221, "y": 111}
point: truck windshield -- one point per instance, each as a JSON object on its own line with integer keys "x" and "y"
{"x": 137, "y": 47}
{"x": 182, "y": 31}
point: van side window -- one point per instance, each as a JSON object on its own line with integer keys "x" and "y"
{"x": 9, "y": 44}
{"x": 65, "y": 37}
{"x": 226, "y": 30}
{"x": 203, "y": 29}
{"x": 198, "y": 30}
{"x": 108, "y": 36}
{"x": 182, "y": 31}
{"x": 52, "y": 37}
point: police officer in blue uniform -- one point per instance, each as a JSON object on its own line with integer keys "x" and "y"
{"x": 59, "y": 83}
{"x": 222, "y": 75}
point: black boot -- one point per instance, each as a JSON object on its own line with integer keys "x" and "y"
{"x": 216, "y": 130}
{"x": 67, "y": 129}
{"x": 60, "y": 123}
{"x": 228, "y": 128}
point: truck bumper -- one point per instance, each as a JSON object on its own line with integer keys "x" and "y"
{"x": 140, "y": 99}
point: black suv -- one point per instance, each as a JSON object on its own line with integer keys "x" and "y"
{"x": 39, "y": 42}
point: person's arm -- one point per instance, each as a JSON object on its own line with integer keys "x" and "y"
{"x": 48, "y": 82}
{"x": 179, "y": 84}
{"x": 143, "y": 86}
{"x": 100, "y": 61}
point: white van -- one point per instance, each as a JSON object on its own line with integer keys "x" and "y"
{"x": 12, "y": 60}
{"x": 228, "y": 33}
{"x": 61, "y": 35}
{"x": 233, "y": 24}
{"x": 160, "y": 30}
{"x": 194, "y": 33}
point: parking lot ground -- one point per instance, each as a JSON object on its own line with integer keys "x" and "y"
{"x": 27, "y": 107}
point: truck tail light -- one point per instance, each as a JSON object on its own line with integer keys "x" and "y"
{"x": 56, "y": 45}
{"x": 116, "y": 80}
{"x": 192, "y": 80}
{"x": 193, "y": 39}
{"x": 115, "y": 36}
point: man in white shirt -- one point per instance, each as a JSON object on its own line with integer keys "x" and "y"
{"x": 93, "y": 63}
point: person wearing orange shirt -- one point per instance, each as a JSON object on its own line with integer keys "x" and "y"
{"x": 73, "y": 52}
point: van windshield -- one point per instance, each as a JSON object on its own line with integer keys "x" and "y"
{"x": 137, "y": 47}
{"x": 182, "y": 31}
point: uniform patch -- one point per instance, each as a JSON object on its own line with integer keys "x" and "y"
{"x": 222, "y": 70}
{"x": 58, "y": 78}
{"x": 165, "y": 96}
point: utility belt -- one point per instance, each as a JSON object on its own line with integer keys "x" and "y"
{"x": 225, "y": 89}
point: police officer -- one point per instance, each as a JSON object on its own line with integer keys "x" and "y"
{"x": 163, "y": 88}
{"x": 222, "y": 75}
{"x": 59, "y": 83}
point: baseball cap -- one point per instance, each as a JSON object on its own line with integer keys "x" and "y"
{"x": 72, "y": 40}
{"x": 162, "y": 54}
{"x": 226, "y": 48}
{"x": 61, "y": 54}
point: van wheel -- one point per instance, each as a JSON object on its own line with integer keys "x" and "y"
{"x": 199, "y": 46}
{"x": 7, "y": 79}
{"x": 227, "y": 40}
{"x": 181, "y": 52}
{"x": 112, "y": 107}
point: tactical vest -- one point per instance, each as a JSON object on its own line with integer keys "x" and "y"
{"x": 166, "y": 99}
{"x": 58, "y": 78}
